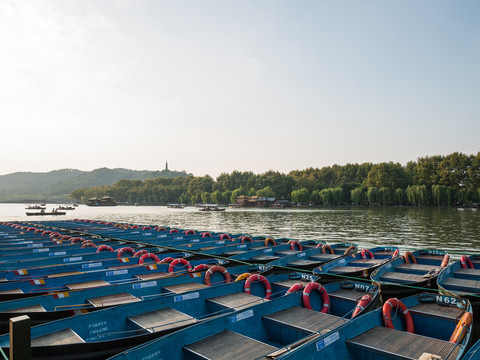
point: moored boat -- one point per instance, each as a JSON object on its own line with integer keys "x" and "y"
{"x": 411, "y": 273}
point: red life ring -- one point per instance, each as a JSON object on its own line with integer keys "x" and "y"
{"x": 326, "y": 247}
{"x": 216, "y": 268}
{"x": 387, "y": 314}
{"x": 88, "y": 244}
{"x": 225, "y": 236}
{"x": 269, "y": 241}
{"x": 76, "y": 239}
{"x": 105, "y": 247}
{"x": 295, "y": 288}
{"x": 140, "y": 253}
{"x": 466, "y": 262}
{"x": 325, "y": 298}
{"x": 146, "y": 228}
{"x": 459, "y": 332}
{"x": 135, "y": 227}
{"x": 395, "y": 253}
{"x": 149, "y": 256}
{"x": 177, "y": 261}
{"x": 445, "y": 261}
{"x": 161, "y": 229}
{"x": 173, "y": 231}
{"x": 361, "y": 304}
{"x": 366, "y": 252}
{"x": 245, "y": 238}
{"x": 166, "y": 260}
{"x": 350, "y": 249}
{"x": 295, "y": 242}
{"x": 200, "y": 267}
{"x": 408, "y": 256}
{"x": 257, "y": 277}
{"x": 125, "y": 249}
{"x": 206, "y": 234}
{"x": 189, "y": 232}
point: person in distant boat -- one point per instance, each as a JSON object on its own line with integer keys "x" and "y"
{"x": 42, "y": 210}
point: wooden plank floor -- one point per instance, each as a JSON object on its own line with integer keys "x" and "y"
{"x": 346, "y": 269}
{"x": 161, "y": 320}
{"x": 228, "y": 345}
{"x": 463, "y": 284}
{"x": 115, "y": 299}
{"x": 62, "y": 337}
{"x": 62, "y": 274}
{"x": 418, "y": 267}
{"x": 324, "y": 257}
{"x": 301, "y": 262}
{"x": 475, "y": 273}
{"x": 404, "y": 345}
{"x": 263, "y": 258}
{"x": 399, "y": 277}
{"x": 350, "y": 294}
{"x": 452, "y": 312}
{"x": 289, "y": 283}
{"x": 237, "y": 300}
{"x": 305, "y": 319}
{"x": 153, "y": 276}
{"x": 368, "y": 262}
{"x": 12, "y": 291}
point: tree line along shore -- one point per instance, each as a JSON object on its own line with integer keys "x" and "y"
{"x": 451, "y": 180}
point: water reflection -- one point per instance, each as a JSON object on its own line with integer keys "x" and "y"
{"x": 442, "y": 228}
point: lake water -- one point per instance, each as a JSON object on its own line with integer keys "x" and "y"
{"x": 455, "y": 230}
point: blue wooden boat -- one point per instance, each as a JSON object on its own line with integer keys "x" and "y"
{"x": 433, "y": 320}
{"x": 226, "y": 308}
{"x": 313, "y": 257}
{"x": 473, "y": 353}
{"x": 411, "y": 273}
{"x": 462, "y": 278}
{"x": 359, "y": 265}
{"x": 94, "y": 278}
{"x": 59, "y": 305}
{"x": 265, "y": 255}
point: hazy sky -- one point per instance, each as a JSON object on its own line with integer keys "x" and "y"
{"x": 217, "y": 86}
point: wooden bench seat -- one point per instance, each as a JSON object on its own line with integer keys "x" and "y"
{"x": 87, "y": 284}
{"x": 418, "y": 268}
{"x": 463, "y": 284}
{"x": 434, "y": 309}
{"x": 228, "y": 345}
{"x": 473, "y": 274}
{"x": 237, "y": 300}
{"x": 399, "y": 277}
{"x": 179, "y": 288}
{"x": 32, "y": 308}
{"x": 404, "y": 345}
{"x": 115, "y": 299}
{"x": 162, "y": 320}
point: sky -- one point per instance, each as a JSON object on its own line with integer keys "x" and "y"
{"x": 218, "y": 86}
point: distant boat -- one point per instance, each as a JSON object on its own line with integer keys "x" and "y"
{"x": 42, "y": 213}
{"x": 210, "y": 207}
{"x": 104, "y": 201}
{"x": 176, "y": 206}
{"x": 61, "y": 207}
{"x": 36, "y": 207}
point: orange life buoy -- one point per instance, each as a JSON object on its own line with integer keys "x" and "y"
{"x": 296, "y": 287}
{"x": 361, "y": 304}
{"x": 326, "y": 247}
{"x": 462, "y": 328}
{"x": 216, "y": 268}
{"x": 177, "y": 261}
{"x": 269, "y": 241}
{"x": 247, "y": 288}
{"x": 408, "y": 256}
{"x": 105, "y": 247}
{"x": 387, "y": 314}
{"x": 445, "y": 261}
{"x": 148, "y": 256}
{"x": 242, "y": 276}
{"x": 367, "y": 253}
{"x": 140, "y": 253}
{"x": 466, "y": 262}
{"x": 350, "y": 249}
{"x": 125, "y": 249}
{"x": 295, "y": 243}
{"x": 325, "y": 298}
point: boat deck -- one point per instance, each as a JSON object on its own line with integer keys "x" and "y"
{"x": 404, "y": 345}
{"x": 463, "y": 284}
{"x": 87, "y": 284}
{"x": 236, "y": 300}
{"x": 61, "y": 337}
{"x": 26, "y": 309}
{"x": 418, "y": 268}
{"x": 432, "y": 308}
{"x": 399, "y": 277}
{"x": 179, "y": 288}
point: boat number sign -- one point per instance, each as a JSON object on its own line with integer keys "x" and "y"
{"x": 242, "y": 316}
{"x": 194, "y": 295}
{"x": 327, "y": 341}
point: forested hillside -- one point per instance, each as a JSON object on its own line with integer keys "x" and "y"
{"x": 433, "y": 180}
{"x": 58, "y": 185}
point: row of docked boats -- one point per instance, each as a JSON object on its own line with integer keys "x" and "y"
{"x": 99, "y": 290}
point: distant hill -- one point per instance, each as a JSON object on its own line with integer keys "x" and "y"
{"x": 56, "y": 186}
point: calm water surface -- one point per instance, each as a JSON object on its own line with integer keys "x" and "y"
{"x": 455, "y": 230}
